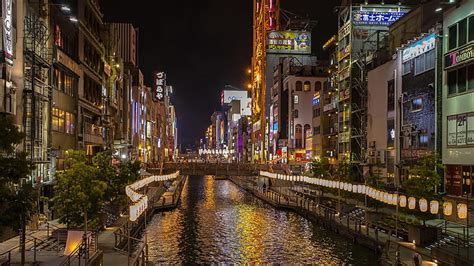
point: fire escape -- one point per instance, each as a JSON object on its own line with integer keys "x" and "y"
{"x": 372, "y": 53}
{"x": 37, "y": 93}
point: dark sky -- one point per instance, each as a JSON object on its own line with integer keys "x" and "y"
{"x": 202, "y": 46}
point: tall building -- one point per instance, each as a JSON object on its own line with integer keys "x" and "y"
{"x": 457, "y": 101}
{"x": 295, "y": 94}
{"x": 363, "y": 30}
{"x": 330, "y": 105}
{"x": 91, "y": 129}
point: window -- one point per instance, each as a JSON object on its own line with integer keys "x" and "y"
{"x": 424, "y": 141}
{"x": 452, "y": 82}
{"x": 307, "y": 86}
{"x": 296, "y": 99}
{"x": 462, "y": 77}
{"x": 419, "y": 64}
{"x": 453, "y": 35}
{"x": 299, "y": 86}
{"x": 471, "y": 28}
{"x": 424, "y": 62}
{"x": 462, "y": 32}
{"x": 417, "y": 104}
{"x": 317, "y": 86}
{"x": 295, "y": 114}
{"x": 316, "y": 112}
{"x": 64, "y": 82}
{"x": 461, "y": 80}
{"x": 470, "y": 77}
{"x": 407, "y": 67}
{"x": 317, "y": 130}
{"x": 62, "y": 121}
{"x": 57, "y": 117}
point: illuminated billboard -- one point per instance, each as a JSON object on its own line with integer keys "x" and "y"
{"x": 376, "y": 18}
{"x": 227, "y": 96}
{"x": 289, "y": 42}
{"x": 159, "y": 86}
{"x": 418, "y": 48}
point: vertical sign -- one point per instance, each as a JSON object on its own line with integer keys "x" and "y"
{"x": 160, "y": 83}
{"x": 7, "y": 31}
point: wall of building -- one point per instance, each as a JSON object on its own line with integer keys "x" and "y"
{"x": 377, "y": 127}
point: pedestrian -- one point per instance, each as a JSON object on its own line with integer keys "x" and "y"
{"x": 417, "y": 260}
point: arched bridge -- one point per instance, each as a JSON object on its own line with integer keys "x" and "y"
{"x": 218, "y": 169}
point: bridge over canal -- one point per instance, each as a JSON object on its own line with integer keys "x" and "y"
{"x": 217, "y": 169}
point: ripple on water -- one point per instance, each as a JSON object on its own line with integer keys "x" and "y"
{"x": 218, "y": 222}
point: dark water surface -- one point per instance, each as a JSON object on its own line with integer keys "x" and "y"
{"x": 219, "y": 222}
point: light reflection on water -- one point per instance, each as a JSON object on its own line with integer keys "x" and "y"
{"x": 218, "y": 222}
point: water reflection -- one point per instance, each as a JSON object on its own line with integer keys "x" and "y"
{"x": 218, "y": 222}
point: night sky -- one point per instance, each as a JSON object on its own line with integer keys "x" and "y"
{"x": 204, "y": 45}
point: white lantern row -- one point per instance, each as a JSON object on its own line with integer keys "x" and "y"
{"x": 139, "y": 201}
{"x": 382, "y": 196}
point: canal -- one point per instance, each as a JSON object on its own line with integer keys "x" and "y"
{"x": 217, "y": 221}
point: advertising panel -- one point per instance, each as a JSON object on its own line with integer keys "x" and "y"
{"x": 460, "y": 130}
{"x": 459, "y": 56}
{"x": 7, "y": 31}
{"x": 159, "y": 86}
{"x": 289, "y": 42}
{"x": 376, "y": 18}
{"x": 228, "y": 96}
{"x": 420, "y": 47}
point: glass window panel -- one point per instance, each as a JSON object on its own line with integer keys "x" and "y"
{"x": 406, "y": 67}
{"x": 470, "y": 72}
{"x": 462, "y": 78}
{"x": 453, "y": 35}
{"x": 419, "y": 64}
{"x": 462, "y": 32}
{"x": 471, "y": 28}
{"x": 452, "y": 88}
{"x": 430, "y": 60}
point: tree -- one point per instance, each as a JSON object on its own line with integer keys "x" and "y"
{"x": 424, "y": 177}
{"x": 424, "y": 180}
{"x": 320, "y": 167}
{"x": 79, "y": 191}
{"x": 116, "y": 177}
{"x": 17, "y": 195}
{"x": 343, "y": 168}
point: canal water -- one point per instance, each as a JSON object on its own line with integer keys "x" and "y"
{"x": 217, "y": 222}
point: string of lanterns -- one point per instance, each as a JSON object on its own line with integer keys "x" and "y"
{"x": 379, "y": 195}
{"x": 140, "y": 201}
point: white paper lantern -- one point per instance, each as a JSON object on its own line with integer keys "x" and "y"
{"x": 462, "y": 210}
{"x": 447, "y": 208}
{"x": 411, "y": 203}
{"x": 434, "y": 207}
{"x": 403, "y": 201}
{"x": 423, "y": 205}
{"x": 394, "y": 199}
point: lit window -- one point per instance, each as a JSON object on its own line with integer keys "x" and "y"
{"x": 417, "y": 104}
{"x": 424, "y": 141}
{"x": 307, "y": 86}
{"x": 296, "y": 99}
